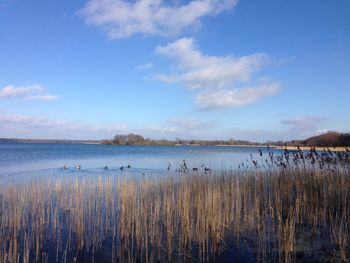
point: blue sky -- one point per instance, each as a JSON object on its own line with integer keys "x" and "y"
{"x": 208, "y": 69}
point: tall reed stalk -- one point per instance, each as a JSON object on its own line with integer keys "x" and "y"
{"x": 266, "y": 213}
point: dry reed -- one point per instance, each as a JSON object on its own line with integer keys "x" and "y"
{"x": 179, "y": 217}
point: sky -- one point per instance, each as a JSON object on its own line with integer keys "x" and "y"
{"x": 203, "y": 69}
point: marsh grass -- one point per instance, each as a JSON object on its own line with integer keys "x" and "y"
{"x": 183, "y": 217}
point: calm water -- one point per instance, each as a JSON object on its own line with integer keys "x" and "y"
{"x": 38, "y": 158}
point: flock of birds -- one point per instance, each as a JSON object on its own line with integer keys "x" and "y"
{"x": 183, "y": 168}
{"x": 286, "y": 159}
{"x": 78, "y": 167}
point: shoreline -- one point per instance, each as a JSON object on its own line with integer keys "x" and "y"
{"x": 82, "y": 142}
{"x": 242, "y": 145}
{"x": 318, "y": 148}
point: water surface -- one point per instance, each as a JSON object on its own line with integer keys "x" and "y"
{"x": 34, "y": 158}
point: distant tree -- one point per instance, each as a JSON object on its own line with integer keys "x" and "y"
{"x": 128, "y": 139}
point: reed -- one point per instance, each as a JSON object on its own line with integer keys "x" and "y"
{"x": 264, "y": 212}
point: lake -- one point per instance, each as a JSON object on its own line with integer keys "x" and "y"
{"x": 41, "y": 158}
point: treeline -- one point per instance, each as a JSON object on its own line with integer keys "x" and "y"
{"x": 329, "y": 139}
{"x": 230, "y": 142}
{"x": 136, "y": 139}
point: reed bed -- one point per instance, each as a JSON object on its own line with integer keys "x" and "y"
{"x": 289, "y": 211}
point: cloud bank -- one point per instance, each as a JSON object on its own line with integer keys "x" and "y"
{"x": 305, "y": 126}
{"x": 217, "y": 79}
{"x": 122, "y": 18}
{"x": 294, "y": 128}
{"x": 32, "y": 92}
{"x": 12, "y": 125}
{"x": 191, "y": 124}
{"x": 179, "y": 126}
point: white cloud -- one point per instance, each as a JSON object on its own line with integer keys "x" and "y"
{"x": 32, "y": 92}
{"x": 192, "y": 124}
{"x": 197, "y": 70}
{"x": 12, "y": 91}
{"x": 14, "y": 125}
{"x": 296, "y": 128}
{"x": 27, "y": 121}
{"x": 219, "y": 81}
{"x": 161, "y": 129}
{"x": 121, "y": 18}
{"x": 183, "y": 127}
{"x": 144, "y": 67}
{"x": 305, "y": 126}
{"x": 42, "y": 97}
{"x": 235, "y": 97}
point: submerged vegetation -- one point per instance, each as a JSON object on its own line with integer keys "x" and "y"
{"x": 285, "y": 208}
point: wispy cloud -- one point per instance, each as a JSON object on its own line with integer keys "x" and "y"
{"x": 42, "y": 97}
{"x": 305, "y": 126}
{"x": 179, "y": 127}
{"x": 303, "y": 121}
{"x": 122, "y": 18}
{"x": 193, "y": 124}
{"x": 295, "y": 128}
{"x": 218, "y": 79}
{"x": 235, "y": 97}
{"x": 29, "y": 122}
{"x": 12, "y": 125}
{"x": 12, "y": 91}
{"x": 31, "y": 92}
{"x": 160, "y": 129}
{"x": 144, "y": 66}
